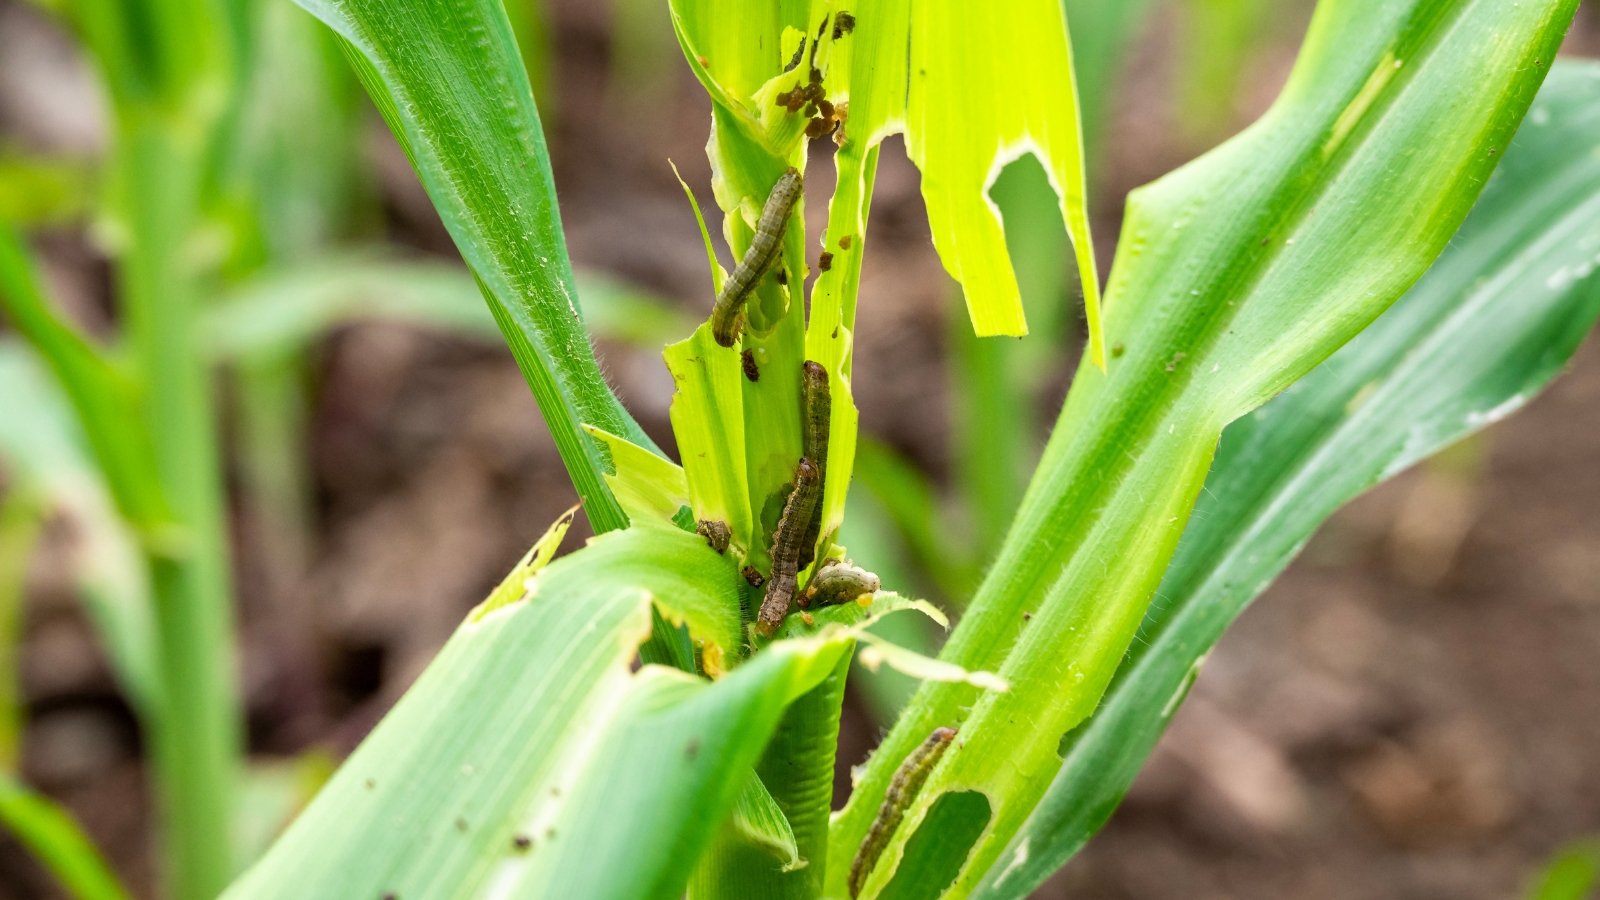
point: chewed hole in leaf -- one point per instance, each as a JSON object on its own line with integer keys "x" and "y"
{"x": 1036, "y": 235}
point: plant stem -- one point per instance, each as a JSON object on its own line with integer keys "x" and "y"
{"x": 797, "y": 768}
{"x": 195, "y": 733}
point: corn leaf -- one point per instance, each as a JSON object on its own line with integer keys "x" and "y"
{"x": 1220, "y": 34}
{"x": 1102, "y": 31}
{"x": 38, "y": 191}
{"x": 1235, "y": 276}
{"x": 1013, "y": 93}
{"x": 1491, "y": 323}
{"x": 747, "y": 55}
{"x": 43, "y": 449}
{"x": 22, "y": 521}
{"x": 651, "y": 490}
{"x": 1572, "y": 874}
{"x": 708, "y": 422}
{"x": 758, "y": 820}
{"x": 447, "y": 76}
{"x": 891, "y": 66}
{"x": 283, "y": 311}
{"x": 101, "y": 393}
{"x": 56, "y": 840}
{"x": 530, "y": 760}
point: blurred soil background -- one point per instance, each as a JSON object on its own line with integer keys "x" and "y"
{"x": 1413, "y": 711}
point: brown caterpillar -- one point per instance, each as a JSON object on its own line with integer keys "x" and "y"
{"x": 817, "y": 407}
{"x": 727, "y": 316}
{"x": 903, "y": 788}
{"x": 792, "y": 525}
{"x": 838, "y": 581}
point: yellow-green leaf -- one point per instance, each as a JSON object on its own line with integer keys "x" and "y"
{"x": 1013, "y": 93}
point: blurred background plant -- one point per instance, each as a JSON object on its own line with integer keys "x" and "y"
{"x": 182, "y": 173}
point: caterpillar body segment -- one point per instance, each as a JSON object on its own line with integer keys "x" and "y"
{"x": 798, "y": 510}
{"x": 903, "y": 789}
{"x": 817, "y": 407}
{"x": 727, "y": 316}
{"x": 838, "y": 581}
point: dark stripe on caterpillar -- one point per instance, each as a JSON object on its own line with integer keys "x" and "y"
{"x": 903, "y": 788}
{"x": 727, "y": 316}
{"x": 837, "y": 581}
{"x": 799, "y": 54}
{"x": 817, "y": 407}
{"x": 792, "y": 526}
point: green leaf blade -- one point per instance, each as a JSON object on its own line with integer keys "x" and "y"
{"x": 43, "y": 450}
{"x": 1014, "y": 93}
{"x": 100, "y": 393}
{"x": 1236, "y": 275}
{"x": 1494, "y": 320}
{"x": 510, "y": 761}
{"x": 442, "y": 70}
{"x": 55, "y": 838}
